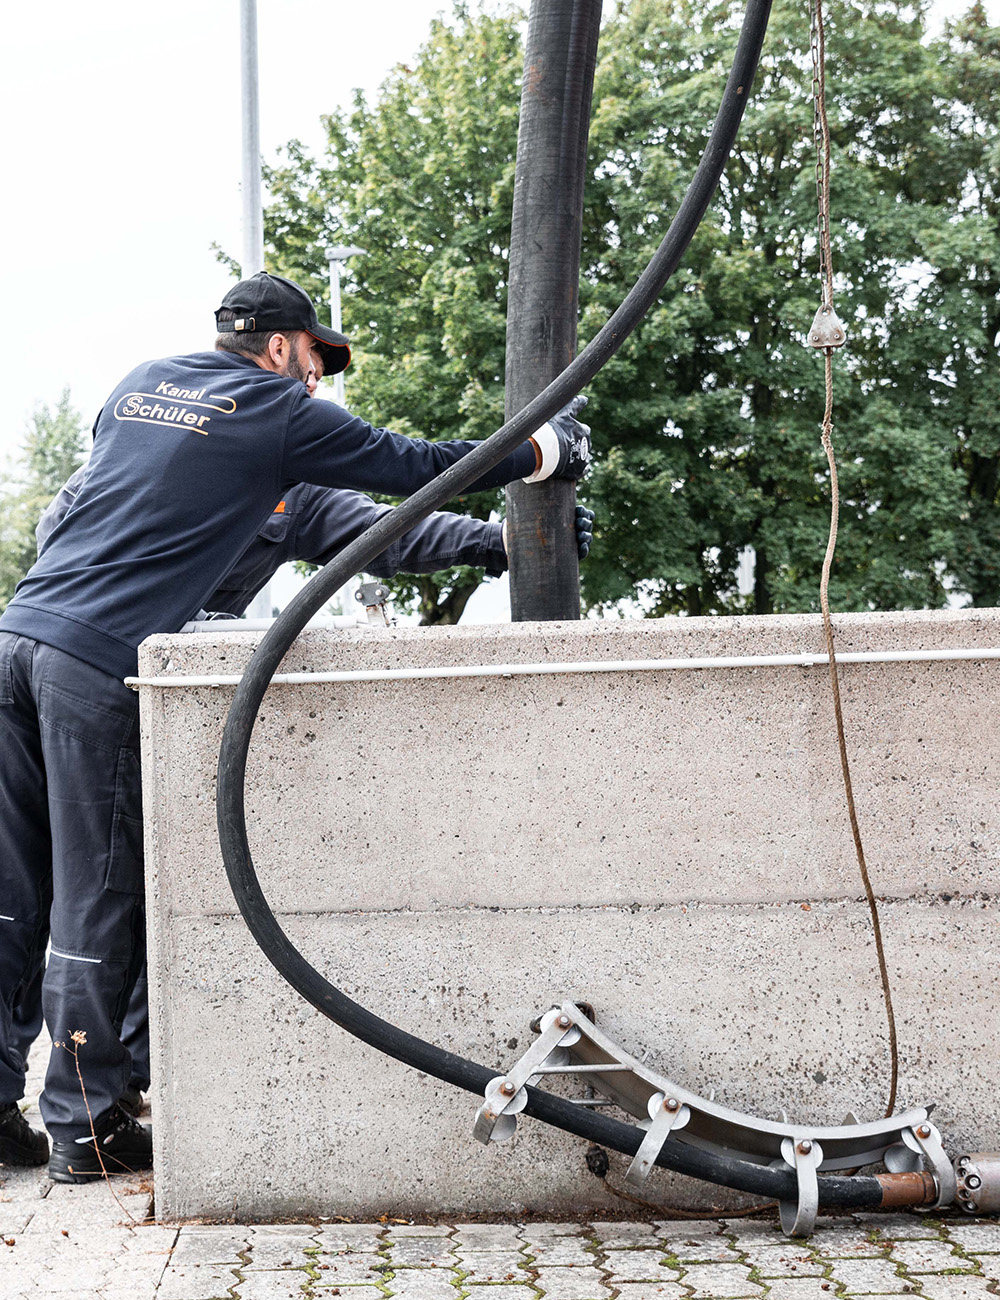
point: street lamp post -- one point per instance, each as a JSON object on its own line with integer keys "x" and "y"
{"x": 337, "y": 257}
{"x": 253, "y": 213}
{"x": 253, "y": 216}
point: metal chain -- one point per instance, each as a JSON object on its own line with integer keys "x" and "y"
{"x": 828, "y": 333}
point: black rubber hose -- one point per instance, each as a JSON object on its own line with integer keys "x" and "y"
{"x": 325, "y": 997}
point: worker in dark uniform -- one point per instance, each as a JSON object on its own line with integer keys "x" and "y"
{"x": 190, "y": 456}
{"x": 313, "y": 524}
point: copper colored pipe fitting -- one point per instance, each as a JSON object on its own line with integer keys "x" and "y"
{"x": 907, "y": 1189}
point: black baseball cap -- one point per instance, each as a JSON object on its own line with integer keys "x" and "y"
{"x": 270, "y": 302}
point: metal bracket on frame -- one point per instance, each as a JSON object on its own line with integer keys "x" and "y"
{"x": 374, "y": 596}
{"x": 569, "y": 1044}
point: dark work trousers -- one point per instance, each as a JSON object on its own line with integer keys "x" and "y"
{"x": 71, "y": 866}
{"x": 27, "y": 1024}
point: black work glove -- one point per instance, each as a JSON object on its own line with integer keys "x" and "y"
{"x": 584, "y": 531}
{"x": 562, "y": 445}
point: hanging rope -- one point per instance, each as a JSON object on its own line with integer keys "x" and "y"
{"x": 828, "y": 333}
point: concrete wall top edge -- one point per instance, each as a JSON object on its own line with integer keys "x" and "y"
{"x": 181, "y": 654}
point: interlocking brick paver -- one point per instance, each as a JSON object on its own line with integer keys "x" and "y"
{"x": 492, "y": 1265}
{"x": 421, "y": 1284}
{"x": 129, "y": 1289}
{"x": 421, "y": 1252}
{"x": 869, "y": 1276}
{"x": 989, "y": 1266}
{"x": 956, "y": 1288}
{"x": 901, "y": 1226}
{"x": 327, "y": 1289}
{"x": 272, "y": 1286}
{"x": 793, "y": 1259}
{"x": 976, "y": 1238}
{"x": 74, "y": 1244}
{"x": 359, "y": 1238}
{"x": 15, "y": 1218}
{"x": 614, "y": 1236}
{"x": 636, "y": 1266}
{"x": 283, "y": 1229}
{"x": 503, "y": 1293}
{"x": 701, "y": 1249}
{"x": 344, "y": 1268}
{"x": 689, "y": 1227}
{"x": 132, "y": 1284}
{"x": 196, "y": 1282}
{"x": 928, "y": 1256}
{"x": 209, "y": 1245}
{"x": 573, "y": 1284}
{"x": 652, "y": 1291}
{"x": 802, "y": 1288}
{"x": 565, "y": 1251}
{"x": 752, "y": 1232}
{"x": 487, "y": 1236}
{"x": 711, "y": 1280}
{"x": 285, "y": 1251}
{"x": 852, "y": 1242}
{"x": 91, "y": 1204}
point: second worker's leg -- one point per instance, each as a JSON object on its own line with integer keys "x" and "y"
{"x": 89, "y": 726}
{"x": 25, "y": 876}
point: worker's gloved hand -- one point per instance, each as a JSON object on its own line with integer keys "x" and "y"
{"x": 563, "y": 445}
{"x": 584, "y": 531}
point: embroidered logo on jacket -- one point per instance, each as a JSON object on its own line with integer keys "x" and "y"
{"x": 146, "y": 408}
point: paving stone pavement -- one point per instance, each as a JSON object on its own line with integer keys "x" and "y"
{"x": 84, "y": 1243}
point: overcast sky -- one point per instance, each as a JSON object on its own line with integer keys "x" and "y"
{"x": 121, "y": 158}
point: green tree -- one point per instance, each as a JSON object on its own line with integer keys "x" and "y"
{"x": 423, "y": 180}
{"x": 54, "y": 446}
{"x": 707, "y": 421}
{"x": 959, "y": 306}
{"x": 716, "y": 402}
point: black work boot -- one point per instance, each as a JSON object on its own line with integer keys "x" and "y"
{"x": 131, "y": 1101}
{"x": 20, "y": 1144}
{"x": 124, "y": 1146}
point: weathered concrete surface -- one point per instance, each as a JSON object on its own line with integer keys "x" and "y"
{"x": 459, "y": 854}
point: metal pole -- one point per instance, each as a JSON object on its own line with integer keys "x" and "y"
{"x": 559, "y": 60}
{"x": 335, "y": 323}
{"x": 253, "y": 217}
{"x": 337, "y": 257}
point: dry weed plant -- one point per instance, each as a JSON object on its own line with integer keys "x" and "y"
{"x": 79, "y": 1038}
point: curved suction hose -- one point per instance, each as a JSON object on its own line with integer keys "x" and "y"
{"x": 289, "y": 962}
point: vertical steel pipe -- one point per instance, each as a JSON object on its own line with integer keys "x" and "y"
{"x": 542, "y": 300}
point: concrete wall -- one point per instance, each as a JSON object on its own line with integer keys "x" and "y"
{"x": 458, "y": 855}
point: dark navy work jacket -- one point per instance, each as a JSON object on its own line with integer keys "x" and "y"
{"x": 315, "y": 523}
{"x": 191, "y": 455}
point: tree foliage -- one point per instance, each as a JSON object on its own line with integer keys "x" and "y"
{"x": 706, "y": 422}
{"x": 54, "y": 446}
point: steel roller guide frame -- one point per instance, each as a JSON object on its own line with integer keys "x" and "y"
{"x": 570, "y": 1044}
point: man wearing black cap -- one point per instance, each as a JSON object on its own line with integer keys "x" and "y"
{"x": 191, "y": 455}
